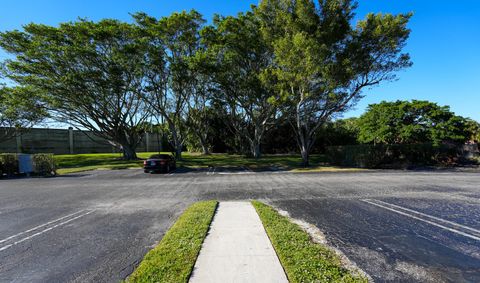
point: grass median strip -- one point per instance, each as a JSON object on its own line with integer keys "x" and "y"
{"x": 302, "y": 259}
{"x": 174, "y": 257}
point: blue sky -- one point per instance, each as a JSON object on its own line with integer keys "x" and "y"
{"x": 444, "y": 43}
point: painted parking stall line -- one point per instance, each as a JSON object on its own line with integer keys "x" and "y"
{"x": 10, "y": 242}
{"x": 460, "y": 226}
{"x": 244, "y": 171}
{"x": 40, "y": 226}
{"x": 430, "y": 221}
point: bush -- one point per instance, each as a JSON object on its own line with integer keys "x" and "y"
{"x": 395, "y": 156}
{"x": 8, "y": 164}
{"x": 44, "y": 164}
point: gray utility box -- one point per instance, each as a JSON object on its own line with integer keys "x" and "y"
{"x": 25, "y": 163}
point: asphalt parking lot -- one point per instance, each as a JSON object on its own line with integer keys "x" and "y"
{"x": 96, "y": 226}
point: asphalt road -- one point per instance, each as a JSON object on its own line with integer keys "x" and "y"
{"x": 96, "y": 226}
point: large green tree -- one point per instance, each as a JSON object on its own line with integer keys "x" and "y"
{"x": 20, "y": 109}
{"x": 173, "y": 82}
{"x": 407, "y": 122}
{"x": 200, "y": 110}
{"x": 242, "y": 58}
{"x": 323, "y": 62}
{"x": 90, "y": 75}
{"x": 474, "y": 129}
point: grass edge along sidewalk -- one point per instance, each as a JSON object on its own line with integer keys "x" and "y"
{"x": 302, "y": 259}
{"x": 173, "y": 259}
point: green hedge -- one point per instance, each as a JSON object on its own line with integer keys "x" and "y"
{"x": 43, "y": 164}
{"x": 394, "y": 156}
{"x": 8, "y": 164}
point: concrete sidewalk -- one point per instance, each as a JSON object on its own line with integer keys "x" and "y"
{"x": 237, "y": 249}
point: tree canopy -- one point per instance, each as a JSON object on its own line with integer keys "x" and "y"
{"x": 407, "y": 122}
{"x": 241, "y": 57}
{"x": 90, "y": 75}
{"x": 322, "y": 62}
{"x": 20, "y": 109}
{"x": 474, "y": 129}
{"x": 173, "y": 81}
{"x": 283, "y": 62}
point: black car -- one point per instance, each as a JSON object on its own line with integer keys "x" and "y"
{"x": 159, "y": 163}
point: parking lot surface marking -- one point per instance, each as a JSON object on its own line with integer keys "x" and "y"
{"x": 134, "y": 211}
{"x": 44, "y": 231}
{"x": 476, "y": 231}
{"x": 424, "y": 220}
{"x": 238, "y": 170}
{"x": 39, "y": 226}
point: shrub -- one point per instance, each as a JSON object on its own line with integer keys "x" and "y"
{"x": 394, "y": 156}
{"x": 8, "y": 164}
{"x": 44, "y": 164}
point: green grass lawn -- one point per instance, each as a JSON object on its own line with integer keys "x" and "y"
{"x": 71, "y": 163}
{"x": 84, "y": 162}
{"x": 174, "y": 257}
{"x": 302, "y": 259}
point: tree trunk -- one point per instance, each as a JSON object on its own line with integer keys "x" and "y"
{"x": 178, "y": 151}
{"x": 255, "y": 150}
{"x": 257, "y": 140}
{"x": 305, "y": 142}
{"x": 203, "y": 144}
{"x": 129, "y": 152}
{"x": 305, "y": 156}
{"x": 205, "y": 150}
{"x": 178, "y": 145}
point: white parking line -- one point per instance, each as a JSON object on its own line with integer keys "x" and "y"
{"x": 430, "y": 216}
{"x": 234, "y": 173}
{"x": 44, "y": 231}
{"x": 424, "y": 220}
{"x": 245, "y": 171}
{"x": 40, "y": 226}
